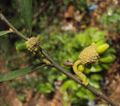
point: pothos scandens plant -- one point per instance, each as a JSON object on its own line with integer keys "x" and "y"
{"x": 95, "y": 57}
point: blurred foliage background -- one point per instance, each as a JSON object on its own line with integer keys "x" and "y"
{"x": 65, "y": 27}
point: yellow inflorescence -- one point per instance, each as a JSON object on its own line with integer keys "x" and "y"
{"x": 89, "y": 54}
{"x": 78, "y": 69}
{"x": 32, "y": 43}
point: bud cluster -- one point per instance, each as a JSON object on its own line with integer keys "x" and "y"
{"x": 32, "y": 44}
{"x": 89, "y": 54}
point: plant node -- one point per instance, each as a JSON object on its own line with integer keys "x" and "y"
{"x": 32, "y": 44}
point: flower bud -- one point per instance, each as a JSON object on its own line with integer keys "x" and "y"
{"x": 81, "y": 68}
{"x": 21, "y": 46}
{"x": 32, "y": 44}
{"x": 102, "y": 48}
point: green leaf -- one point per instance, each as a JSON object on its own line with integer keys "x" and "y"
{"x": 70, "y": 84}
{"x": 17, "y": 73}
{"x": 105, "y": 66}
{"x": 90, "y": 95}
{"x": 95, "y": 68}
{"x": 97, "y": 35}
{"x": 26, "y": 12}
{"x": 81, "y": 94}
{"x": 96, "y": 77}
{"x": 90, "y": 35}
{"x": 45, "y": 88}
{"x": 85, "y": 94}
{"x": 108, "y": 59}
{"x": 111, "y": 51}
{"x": 2, "y": 33}
{"x": 14, "y": 74}
{"x": 94, "y": 84}
{"x": 83, "y": 39}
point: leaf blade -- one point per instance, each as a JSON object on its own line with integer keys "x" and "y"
{"x": 26, "y": 12}
{"x": 2, "y": 33}
{"x": 14, "y": 74}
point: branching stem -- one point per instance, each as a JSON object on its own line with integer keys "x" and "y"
{"x": 57, "y": 66}
{"x": 3, "y": 18}
{"x": 90, "y": 88}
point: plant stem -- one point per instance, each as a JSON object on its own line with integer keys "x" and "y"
{"x": 57, "y": 66}
{"x": 93, "y": 90}
{"x": 3, "y": 18}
